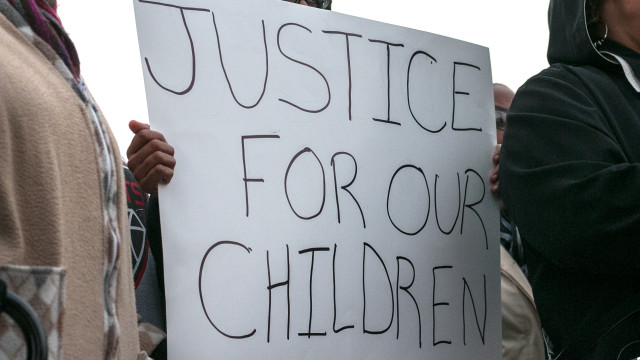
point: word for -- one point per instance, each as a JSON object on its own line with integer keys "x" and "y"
{"x": 465, "y": 202}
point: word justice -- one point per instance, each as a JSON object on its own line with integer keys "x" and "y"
{"x": 455, "y": 86}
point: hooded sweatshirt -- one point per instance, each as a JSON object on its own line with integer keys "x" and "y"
{"x": 570, "y": 178}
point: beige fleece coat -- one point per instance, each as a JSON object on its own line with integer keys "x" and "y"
{"x": 521, "y": 328}
{"x": 51, "y": 213}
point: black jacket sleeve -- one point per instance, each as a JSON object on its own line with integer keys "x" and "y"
{"x": 154, "y": 234}
{"x": 566, "y": 178}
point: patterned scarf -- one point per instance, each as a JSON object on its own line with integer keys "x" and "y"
{"x": 42, "y": 17}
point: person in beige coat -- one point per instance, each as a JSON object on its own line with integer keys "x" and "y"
{"x": 521, "y": 328}
{"x": 64, "y": 237}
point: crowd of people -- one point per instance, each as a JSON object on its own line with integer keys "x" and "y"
{"x": 565, "y": 169}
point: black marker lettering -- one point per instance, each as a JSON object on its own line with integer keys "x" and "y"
{"x": 224, "y": 70}
{"x": 346, "y": 37}
{"x": 434, "y": 304}
{"x": 470, "y": 206}
{"x": 435, "y": 191}
{"x": 335, "y": 251}
{"x": 204, "y": 308}
{"x": 455, "y": 93}
{"x": 324, "y": 185}
{"x": 272, "y": 286}
{"x": 406, "y": 289}
{"x": 465, "y": 287}
{"x": 409, "y": 91}
{"x": 307, "y": 65}
{"x": 388, "y": 44}
{"x": 346, "y": 187}
{"x": 428, "y": 197}
{"x": 193, "y": 53}
{"x": 309, "y": 333}
{"x": 364, "y": 313}
{"x": 244, "y": 165}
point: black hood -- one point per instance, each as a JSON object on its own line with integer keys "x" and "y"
{"x": 569, "y": 41}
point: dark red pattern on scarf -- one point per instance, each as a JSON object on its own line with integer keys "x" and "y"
{"x": 52, "y": 11}
{"x": 52, "y": 33}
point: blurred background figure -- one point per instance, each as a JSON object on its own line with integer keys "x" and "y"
{"x": 502, "y": 98}
{"x": 521, "y": 329}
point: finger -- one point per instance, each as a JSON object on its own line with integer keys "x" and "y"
{"x": 158, "y": 175}
{"x": 496, "y": 154}
{"x": 137, "y": 126}
{"x": 494, "y": 174}
{"x": 155, "y": 160}
{"x": 495, "y": 188}
{"x": 144, "y": 153}
{"x": 141, "y": 139}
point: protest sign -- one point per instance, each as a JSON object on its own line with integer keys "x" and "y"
{"x": 330, "y": 198}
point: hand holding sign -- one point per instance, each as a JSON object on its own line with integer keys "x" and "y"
{"x": 150, "y": 158}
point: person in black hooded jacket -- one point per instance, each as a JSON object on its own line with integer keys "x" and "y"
{"x": 570, "y": 178}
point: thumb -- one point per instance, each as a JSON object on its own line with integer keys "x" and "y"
{"x": 137, "y": 126}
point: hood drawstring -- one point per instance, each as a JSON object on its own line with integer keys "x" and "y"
{"x": 628, "y": 71}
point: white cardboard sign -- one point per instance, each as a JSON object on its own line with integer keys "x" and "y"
{"x": 331, "y": 196}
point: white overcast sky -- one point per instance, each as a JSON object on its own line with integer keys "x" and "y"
{"x": 515, "y": 31}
